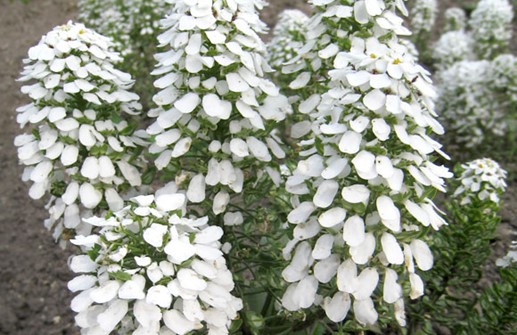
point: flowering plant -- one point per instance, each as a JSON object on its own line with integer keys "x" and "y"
{"x": 203, "y": 219}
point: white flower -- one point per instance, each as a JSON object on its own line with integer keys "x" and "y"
{"x": 182, "y": 292}
{"x": 366, "y": 137}
{"x": 423, "y": 15}
{"x": 491, "y": 29}
{"x": 455, "y": 19}
{"x": 70, "y": 65}
{"x": 481, "y": 180}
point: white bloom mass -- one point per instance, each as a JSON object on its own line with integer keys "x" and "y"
{"x": 178, "y": 281}
{"x": 481, "y": 180}
{"x": 367, "y": 153}
{"x": 82, "y": 140}
{"x": 491, "y": 27}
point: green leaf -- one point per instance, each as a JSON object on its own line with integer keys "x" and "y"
{"x": 120, "y": 275}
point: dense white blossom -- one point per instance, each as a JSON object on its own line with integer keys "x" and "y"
{"x": 288, "y": 37}
{"x": 152, "y": 270}
{"x": 423, "y": 15}
{"x": 82, "y": 142}
{"x": 481, "y": 180}
{"x": 365, "y": 167}
{"x": 126, "y": 22}
{"x": 215, "y": 108}
{"x": 468, "y": 104}
{"x": 451, "y": 47}
{"x": 455, "y": 19}
{"x": 490, "y": 24}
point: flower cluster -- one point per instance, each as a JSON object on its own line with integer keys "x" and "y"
{"x": 491, "y": 27}
{"x": 510, "y": 258}
{"x": 481, "y": 180}
{"x": 288, "y": 38}
{"x": 216, "y": 110}
{"x": 469, "y": 105}
{"x": 82, "y": 148}
{"x": 423, "y": 15}
{"x": 359, "y": 190}
{"x": 455, "y": 19}
{"x": 453, "y": 46}
{"x": 122, "y": 20}
{"x": 152, "y": 270}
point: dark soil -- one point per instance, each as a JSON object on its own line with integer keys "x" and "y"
{"x": 34, "y": 299}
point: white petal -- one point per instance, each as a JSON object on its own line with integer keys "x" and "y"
{"x": 332, "y": 217}
{"x": 358, "y": 78}
{"x": 326, "y": 269}
{"x": 41, "y": 171}
{"x": 154, "y": 234}
{"x": 81, "y": 283}
{"x": 90, "y": 196}
{"x": 381, "y": 129}
{"x": 422, "y": 254}
{"x": 365, "y": 312}
{"x": 258, "y": 149}
{"x": 355, "y": 194}
{"x": 179, "y": 251}
{"x": 147, "y": 314}
{"x": 215, "y": 107}
{"x": 374, "y": 7}
{"x": 209, "y": 235}
{"x": 366, "y": 283}
{"x": 190, "y": 280}
{"x": 110, "y": 318}
{"x": 417, "y": 212}
{"x": 106, "y": 292}
{"x": 159, "y": 295}
{"x": 323, "y": 247}
{"x": 392, "y": 291}
{"x": 335, "y": 168}
{"x": 360, "y": 13}
{"x": 384, "y": 167}
{"x": 353, "y": 231}
{"x": 337, "y": 308}
{"x": 306, "y": 291}
{"x": 181, "y": 147}
{"x": 71, "y": 193}
{"x": 300, "y": 81}
{"x": 374, "y": 100}
{"x": 239, "y": 147}
{"x": 82, "y": 264}
{"x": 301, "y": 213}
{"x": 187, "y": 103}
{"x": 364, "y": 251}
{"x": 350, "y": 142}
{"x": 389, "y": 213}
{"x": 380, "y": 81}
{"x": 392, "y": 249}
{"x": 176, "y": 321}
{"x": 133, "y": 288}
{"x": 221, "y": 200}
{"x": 106, "y": 168}
{"x": 196, "y": 189}
{"x": 347, "y": 276}
{"x": 170, "y": 202}
{"x": 130, "y": 172}
{"x": 236, "y": 83}
{"x": 417, "y": 286}
{"x": 325, "y": 194}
